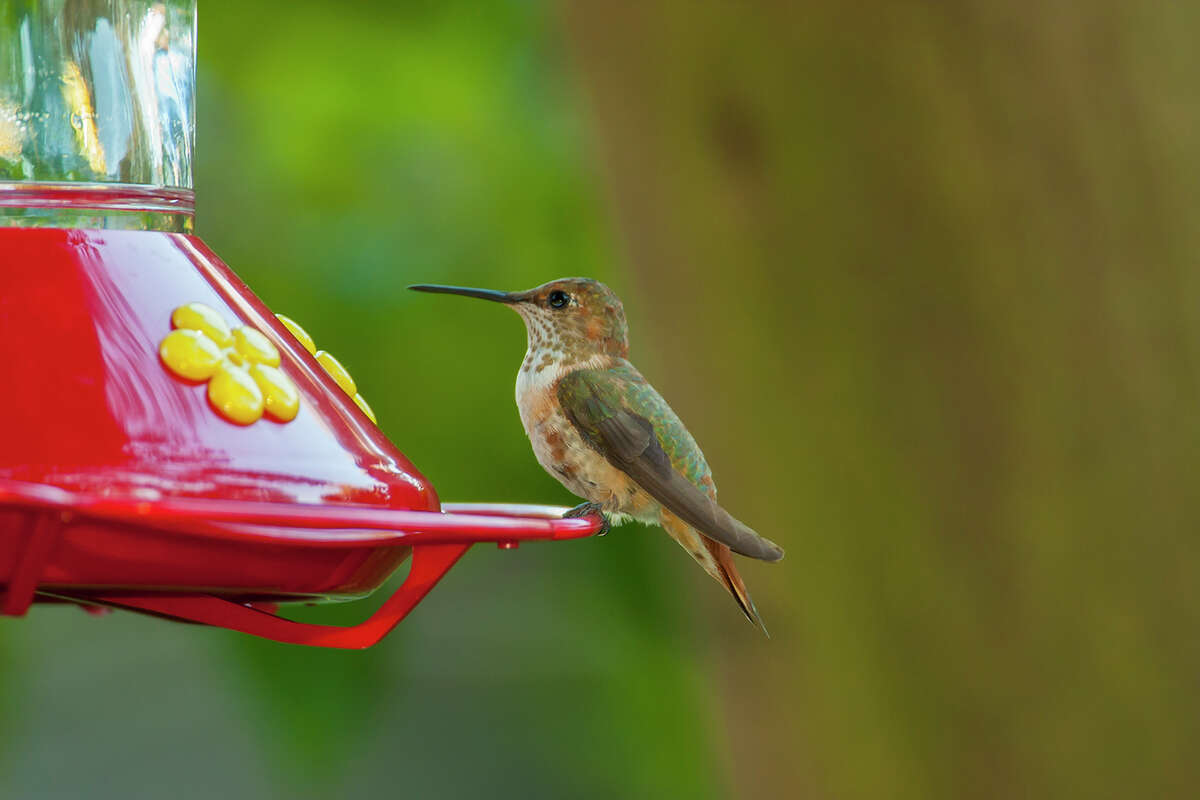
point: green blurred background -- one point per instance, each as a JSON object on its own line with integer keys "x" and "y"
{"x": 922, "y": 279}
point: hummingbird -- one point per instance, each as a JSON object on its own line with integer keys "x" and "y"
{"x": 604, "y": 432}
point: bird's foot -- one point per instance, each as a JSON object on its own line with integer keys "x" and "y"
{"x": 586, "y": 509}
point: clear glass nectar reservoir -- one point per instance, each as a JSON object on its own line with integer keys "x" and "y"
{"x": 97, "y": 113}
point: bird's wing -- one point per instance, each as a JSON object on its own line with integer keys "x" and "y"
{"x": 621, "y": 416}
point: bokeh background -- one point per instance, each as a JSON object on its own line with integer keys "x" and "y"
{"x": 921, "y": 277}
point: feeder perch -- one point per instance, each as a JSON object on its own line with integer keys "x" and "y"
{"x": 172, "y": 446}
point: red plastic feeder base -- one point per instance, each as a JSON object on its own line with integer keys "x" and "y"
{"x": 90, "y": 551}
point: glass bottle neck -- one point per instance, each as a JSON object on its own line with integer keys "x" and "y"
{"x": 25, "y": 204}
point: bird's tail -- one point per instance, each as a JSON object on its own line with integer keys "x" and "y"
{"x": 717, "y": 560}
{"x": 733, "y": 582}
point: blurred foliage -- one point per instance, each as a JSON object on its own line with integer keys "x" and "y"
{"x": 921, "y": 281}
{"x": 940, "y": 260}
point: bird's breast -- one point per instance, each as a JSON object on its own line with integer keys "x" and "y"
{"x": 563, "y": 453}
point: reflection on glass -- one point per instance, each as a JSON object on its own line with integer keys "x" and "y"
{"x": 95, "y": 93}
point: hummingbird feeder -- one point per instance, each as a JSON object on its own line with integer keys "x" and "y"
{"x": 172, "y": 447}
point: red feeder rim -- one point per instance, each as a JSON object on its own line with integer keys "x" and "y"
{"x": 309, "y": 531}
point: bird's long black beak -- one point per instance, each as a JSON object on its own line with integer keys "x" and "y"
{"x": 485, "y": 294}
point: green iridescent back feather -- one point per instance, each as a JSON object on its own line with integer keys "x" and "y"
{"x": 623, "y": 387}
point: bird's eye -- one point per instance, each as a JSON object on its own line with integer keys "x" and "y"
{"x": 558, "y": 299}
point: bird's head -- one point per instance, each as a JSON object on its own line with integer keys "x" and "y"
{"x": 577, "y": 318}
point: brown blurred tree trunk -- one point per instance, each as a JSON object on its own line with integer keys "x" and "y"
{"x": 922, "y": 278}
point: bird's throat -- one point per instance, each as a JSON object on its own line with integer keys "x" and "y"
{"x": 544, "y": 366}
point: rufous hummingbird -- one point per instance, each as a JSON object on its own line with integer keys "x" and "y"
{"x": 604, "y": 432}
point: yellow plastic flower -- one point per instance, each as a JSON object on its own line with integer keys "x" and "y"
{"x": 241, "y": 366}
{"x": 334, "y": 367}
